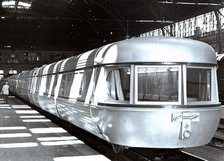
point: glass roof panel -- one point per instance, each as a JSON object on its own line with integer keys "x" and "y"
{"x": 16, "y": 4}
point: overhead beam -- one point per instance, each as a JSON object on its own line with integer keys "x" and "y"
{"x": 155, "y": 21}
{"x": 190, "y": 3}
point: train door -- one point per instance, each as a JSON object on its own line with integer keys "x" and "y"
{"x": 17, "y": 84}
{"x": 59, "y": 78}
{"x": 34, "y": 81}
{"x": 43, "y": 82}
{"x": 33, "y": 96}
{"x": 73, "y": 95}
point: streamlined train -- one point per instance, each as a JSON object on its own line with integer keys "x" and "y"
{"x": 151, "y": 92}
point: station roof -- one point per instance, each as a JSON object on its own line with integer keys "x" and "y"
{"x": 86, "y": 24}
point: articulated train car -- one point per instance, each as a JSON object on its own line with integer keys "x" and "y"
{"x": 155, "y": 92}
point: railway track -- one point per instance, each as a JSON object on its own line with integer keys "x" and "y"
{"x": 160, "y": 155}
{"x": 218, "y": 139}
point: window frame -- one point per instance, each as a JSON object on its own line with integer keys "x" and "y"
{"x": 135, "y": 94}
{"x": 102, "y": 85}
{"x": 213, "y": 85}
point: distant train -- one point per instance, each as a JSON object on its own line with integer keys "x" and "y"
{"x": 151, "y": 92}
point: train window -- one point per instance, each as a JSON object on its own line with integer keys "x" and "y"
{"x": 49, "y": 78}
{"x": 82, "y": 85}
{"x": 42, "y": 88}
{"x": 66, "y": 84}
{"x": 38, "y": 83}
{"x": 77, "y": 79}
{"x": 198, "y": 84}
{"x": 158, "y": 83}
{"x": 85, "y": 80}
{"x": 118, "y": 84}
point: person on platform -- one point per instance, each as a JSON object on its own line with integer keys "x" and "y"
{"x": 5, "y": 92}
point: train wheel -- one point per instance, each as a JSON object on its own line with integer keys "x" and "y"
{"x": 118, "y": 148}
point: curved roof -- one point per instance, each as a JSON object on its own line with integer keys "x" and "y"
{"x": 157, "y": 49}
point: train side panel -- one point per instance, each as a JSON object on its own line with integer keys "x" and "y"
{"x": 76, "y": 87}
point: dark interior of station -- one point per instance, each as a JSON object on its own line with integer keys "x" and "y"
{"x": 45, "y": 31}
{"x": 87, "y": 24}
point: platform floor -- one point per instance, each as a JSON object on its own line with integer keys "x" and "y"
{"x": 26, "y": 135}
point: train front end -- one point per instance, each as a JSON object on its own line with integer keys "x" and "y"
{"x": 157, "y": 93}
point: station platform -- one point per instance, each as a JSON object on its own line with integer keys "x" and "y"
{"x": 26, "y": 135}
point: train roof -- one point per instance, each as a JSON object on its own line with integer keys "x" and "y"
{"x": 138, "y": 50}
{"x": 157, "y": 49}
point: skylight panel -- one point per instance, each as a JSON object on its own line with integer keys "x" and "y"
{"x": 8, "y": 4}
{"x": 24, "y": 5}
{"x": 13, "y": 4}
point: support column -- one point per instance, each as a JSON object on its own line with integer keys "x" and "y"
{"x": 219, "y": 32}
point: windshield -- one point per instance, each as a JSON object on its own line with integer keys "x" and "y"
{"x": 198, "y": 84}
{"x": 158, "y": 83}
{"x": 118, "y": 84}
